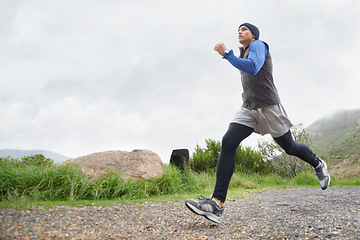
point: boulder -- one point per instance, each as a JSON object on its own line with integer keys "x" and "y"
{"x": 135, "y": 164}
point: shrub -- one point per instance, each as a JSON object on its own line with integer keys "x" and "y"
{"x": 247, "y": 159}
{"x": 205, "y": 159}
{"x": 250, "y": 161}
{"x": 281, "y": 163}
{"x": 33, "y": 160}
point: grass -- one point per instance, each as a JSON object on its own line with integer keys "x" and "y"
{"x": 27, "y": 186}
{"x": 65, "y": 183}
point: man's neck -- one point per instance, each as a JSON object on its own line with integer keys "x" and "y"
{"x": 247, "y": 44}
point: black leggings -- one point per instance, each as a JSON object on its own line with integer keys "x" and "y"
{"x": 230, "y": 142}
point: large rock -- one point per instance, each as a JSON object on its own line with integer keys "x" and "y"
{"x": 136, "y": 164}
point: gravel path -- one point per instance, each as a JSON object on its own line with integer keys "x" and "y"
{"x": 307, "y": 213}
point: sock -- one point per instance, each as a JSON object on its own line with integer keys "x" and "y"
{"x": 215, "y": 202}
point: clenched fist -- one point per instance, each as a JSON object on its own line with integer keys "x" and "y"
{"x": 220, "y": 48}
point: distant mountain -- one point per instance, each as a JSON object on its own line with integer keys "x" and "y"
{"x": 338, "y": 138}
{"x": 337, "y": 135}
{"x": 19, "y": 153}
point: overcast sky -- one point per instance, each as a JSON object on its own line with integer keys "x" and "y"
{"x": 79, "y": 77}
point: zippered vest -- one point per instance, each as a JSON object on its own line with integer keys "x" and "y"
{"x": 259, "y": 90}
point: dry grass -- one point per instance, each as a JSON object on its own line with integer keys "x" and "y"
{"x": 347, "y": 168}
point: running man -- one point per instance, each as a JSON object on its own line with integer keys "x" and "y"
{"x": 261, "y": 112}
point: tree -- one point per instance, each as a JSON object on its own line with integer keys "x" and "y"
{"x": 282, "y": 163}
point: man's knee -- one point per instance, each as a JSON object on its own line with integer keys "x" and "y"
{"x": 290, "y": 149}
{"x": 228, "y": 142}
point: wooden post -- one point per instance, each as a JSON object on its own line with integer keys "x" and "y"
{"x": 180, "y": 158}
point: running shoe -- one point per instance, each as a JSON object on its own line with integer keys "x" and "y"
{"x": 323, "y": 175}
{"x": 206, "y": 207}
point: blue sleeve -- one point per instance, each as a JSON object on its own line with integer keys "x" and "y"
{"x": 252, "y": 65}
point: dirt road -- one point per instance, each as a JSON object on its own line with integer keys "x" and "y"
{"x": 307, "y": 213}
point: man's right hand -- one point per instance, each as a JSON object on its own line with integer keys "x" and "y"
{"x": 220, "y": 48}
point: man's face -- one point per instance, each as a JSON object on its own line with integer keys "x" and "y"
{"x": 245, "y": 35}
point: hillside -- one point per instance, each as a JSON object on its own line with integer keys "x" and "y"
{"x": 19, "y": 153}
{"x": 337, "y": 137}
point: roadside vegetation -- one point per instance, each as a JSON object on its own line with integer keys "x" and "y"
{"x": 36, "y": 180}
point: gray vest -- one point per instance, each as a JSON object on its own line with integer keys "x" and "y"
{"x": 259, "y": 90}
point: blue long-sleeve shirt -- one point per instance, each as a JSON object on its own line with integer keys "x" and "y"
{"x": 252, "y": 65}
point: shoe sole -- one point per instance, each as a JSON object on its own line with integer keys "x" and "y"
{"x": 208, "y": 215}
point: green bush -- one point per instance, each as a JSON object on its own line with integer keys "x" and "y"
{"x": 33, "y": 160}
{"x": 205, "y": 159}
{"x": 250, "y": 161}
{"x": 247, "y": 159}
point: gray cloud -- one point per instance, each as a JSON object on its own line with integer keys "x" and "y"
{"x": 86, "y": 76}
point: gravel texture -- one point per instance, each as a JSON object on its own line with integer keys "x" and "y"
{"x": 307, "y": 213}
